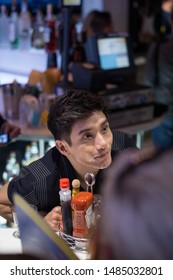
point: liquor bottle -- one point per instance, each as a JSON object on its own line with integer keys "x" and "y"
{"x": 76, "y": 52}
{"x": 27, "y": 155}
{"x": 34, "y": 150}
{"x": 12, "y": 167}
{"x": 65, "y": 199}
{"x": 50, "y": 30}
{"x": 4, "y": 27}
{"x": 31, "y": 153}
{"x": 14, "y": 26}
{"x": 38, "y": 31}
{"x": 25, "y": 30}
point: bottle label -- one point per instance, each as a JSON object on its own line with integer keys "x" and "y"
{"x": 12, "y": 33}
{"x": 47, "y": 33}
{"x": 88, "y": 216}
{"x": 67, "y": 217}
{"x": 50, "y": 36}
{"x": 82, "y": 222}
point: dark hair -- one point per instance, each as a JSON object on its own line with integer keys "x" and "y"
{"x": 73, "y": 105}
{"x": 96, "y": 22}
{"x": 138, "y": 207}
{"x": 100, "y": 21}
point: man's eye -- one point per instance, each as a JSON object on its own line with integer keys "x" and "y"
{"x": 87, "y": 136}
{"x": 105, "y": 128}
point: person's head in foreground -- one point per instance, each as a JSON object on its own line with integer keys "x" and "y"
{"x": 137, "y": 218}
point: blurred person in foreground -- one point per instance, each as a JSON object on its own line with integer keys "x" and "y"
{"x": 84, "y": 142}
{"x": 137, "y": 208}
{"x": 159, "y": 76}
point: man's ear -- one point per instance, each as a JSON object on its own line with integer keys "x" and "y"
{"x": 62, "y": 147}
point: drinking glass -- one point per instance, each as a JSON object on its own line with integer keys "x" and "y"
{"x": 97, "y": 203}
{"x": 16, "y": 233}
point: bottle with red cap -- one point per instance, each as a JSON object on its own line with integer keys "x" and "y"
{"x": 65, "y": 199}
{"x": 82, "y": 207}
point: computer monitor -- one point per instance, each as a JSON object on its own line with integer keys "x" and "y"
{"x": 111, "y": 52}
{"x": 70, "y": 3}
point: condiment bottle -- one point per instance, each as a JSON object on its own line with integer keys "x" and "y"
{"x": 65, "y": 199}
{"x": 75, "y": 187}
{"x": 75, "y": 191}
{"x": 82, "y": 206}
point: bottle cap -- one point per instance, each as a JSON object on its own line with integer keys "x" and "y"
{"x": 76, "y": 184}
{"x": 82, "y": 201}
{"x": 64, "y": 183}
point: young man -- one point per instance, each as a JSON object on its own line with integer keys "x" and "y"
{"x": 84, "y": 143}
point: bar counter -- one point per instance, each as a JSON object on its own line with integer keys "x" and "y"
{"x": 12, "y": 245}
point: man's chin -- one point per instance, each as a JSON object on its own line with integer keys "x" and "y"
{"x": 105, "y": 164}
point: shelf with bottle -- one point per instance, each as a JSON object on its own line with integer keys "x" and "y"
{"x": 24, "y": 27}
{"x": 4, "y": 27}
{"x": 38, "y": 30}
{"x": 13, "y": 26}
{"x": 50, "y": 30}
{"x": 21, "y": 153}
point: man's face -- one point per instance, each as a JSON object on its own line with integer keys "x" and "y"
{"x": 91, "y": 140}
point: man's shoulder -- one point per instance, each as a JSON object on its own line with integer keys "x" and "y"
{"x": 47, "y": 164}
{"x": 51, "y": 155}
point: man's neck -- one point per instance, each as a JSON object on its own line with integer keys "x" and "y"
{"x": 81, "y": 171}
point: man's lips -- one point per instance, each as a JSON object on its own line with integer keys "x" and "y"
{"x": 102, "y": 155}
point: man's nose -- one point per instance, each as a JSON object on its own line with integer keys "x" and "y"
{"x": 100, "y": 142}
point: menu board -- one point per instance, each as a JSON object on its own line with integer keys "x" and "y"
{"x": 37, "y": 238}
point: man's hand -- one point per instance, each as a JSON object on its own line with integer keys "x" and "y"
{"x": 54, "y": 217}
{"x": 11, "y": 129}
{"x": 6, "y": 212}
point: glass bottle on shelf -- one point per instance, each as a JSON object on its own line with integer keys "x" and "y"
{"x": 50, "y": 32}
{"x": 4, "y": 26}
{"x": 25, "y": 30}
{"x": 34, "y": 149}
{"x": 27, "y": 155}
{"x": 31, "y": 153}
{"x": 14, "y": 26}
{"x": 12, "y": 167}
{"x": 76, "y": 52}
{"x": 50, "y": 37}
{"x": 38, "y": 31}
